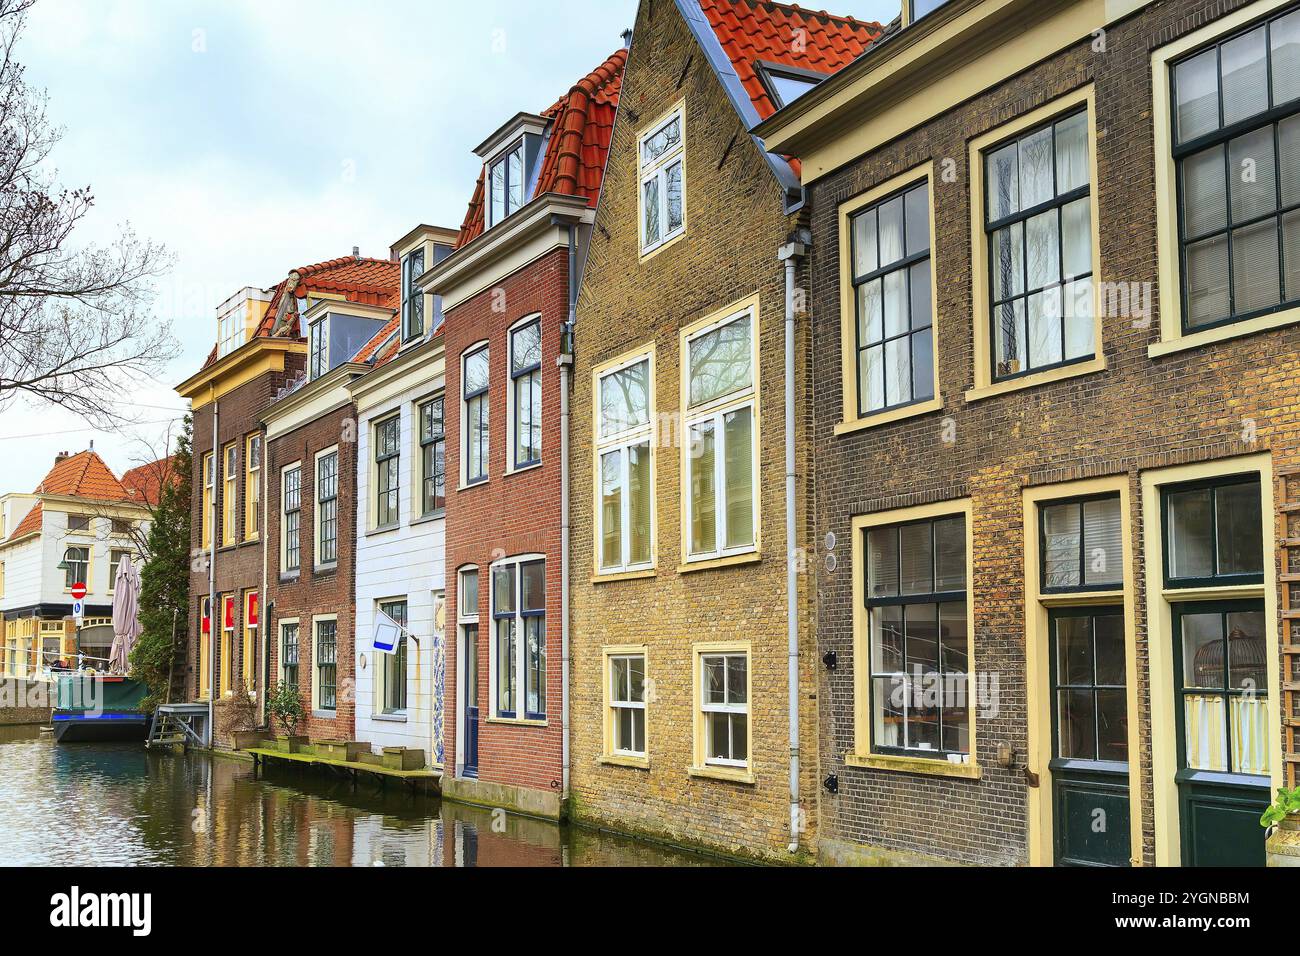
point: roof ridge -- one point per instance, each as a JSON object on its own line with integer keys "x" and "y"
{"x": 807, "y": 12}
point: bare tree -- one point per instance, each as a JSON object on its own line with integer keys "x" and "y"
{"x": 76, "y": 327}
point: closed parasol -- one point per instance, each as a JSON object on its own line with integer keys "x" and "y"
{"x": 126, "y": 615}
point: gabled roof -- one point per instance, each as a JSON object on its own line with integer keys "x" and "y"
{"x": 756, "y": 31}
{"x": 355, "y": 278}
{"x": 83, "y": 475}
{"x": 29, "y": 524}
{"x": 582, "y": 122}
{"x": 145, "y": 482}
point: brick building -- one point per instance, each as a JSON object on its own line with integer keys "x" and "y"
{"x": 311, "y": 458}
{"x": 259, "y": 353}
{"x": 1053, "y": 426}
{"x": 682, "y": 618}
{"x": 508, "y": 291}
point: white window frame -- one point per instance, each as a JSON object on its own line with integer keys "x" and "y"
{"x": 486, "y": 395}
{"x": 316, "y": 621}
{"x": 381, "y": 661}
{"x": 658, "y": 169}
{"x": 622, "y": 441}
{"x": 279, "y": 656}
{"x": 253, "y": 481}
{"x": 521, "y": 713}
{"x": 378, "y": 423}
{"x": 229, "y": 493}
{"x": 704, "y": 765}
{"x": 614, "y": 704}
{"x": 715, "y": 411}
{"x": 512, "y": 406}
{"x": 418, "y": 446}
{"x": 88, "y": 562}
{"x": 284, "y": 524}
{"x": 319, "y": 525}
{"x": 207, "y": 524}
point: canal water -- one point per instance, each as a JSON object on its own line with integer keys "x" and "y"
{"x": 113, "y": 804}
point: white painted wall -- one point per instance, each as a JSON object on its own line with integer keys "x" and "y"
{"x": 406, "y": 562}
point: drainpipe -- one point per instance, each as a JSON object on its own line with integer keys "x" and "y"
{"x": 565, "y": 362}
{"x": 265, "y": 607}
{"x": 212, "y": 577}
{"x": 791, "y": 254}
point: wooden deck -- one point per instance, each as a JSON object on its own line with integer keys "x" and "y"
{"x": 416, "y": 779}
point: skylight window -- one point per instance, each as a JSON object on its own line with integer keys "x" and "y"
{"x": 785, "y": 84}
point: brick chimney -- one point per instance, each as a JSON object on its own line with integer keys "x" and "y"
{"x": 61, "y": 457}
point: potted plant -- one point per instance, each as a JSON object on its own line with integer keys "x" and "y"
{"x": 1283, "y": 817}
{"x": 239, "y": 718}
{"x": 285, "y": 707}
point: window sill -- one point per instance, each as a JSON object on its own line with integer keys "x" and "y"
{"x": 611, "y": 576}
{"x": 1222, "y": 333}
{"x": 325, "y": 568}
{"x": 431, "y": 516}
{"x": 289, "y": 578}
{"x": 533, "y": 466}
{"x": 1222, "y": 593}
{"x": 900, "y": 764}
{"x": 648, "y": 254}
{"x": 466, "y": 486}
{"x": 383, "y": 529}
{"x": 251, "y": 539}
{"x": 749, "y": 557}
{"x": 516, "y": 721}
{"x": 390, "y": 718}
{"x": 729, "y": 774}
{"x": 1036, "y": 378}
{"x": 624, "y": 760}
{"x": 325, "y": 714}
{"x": 1077, "y": 598}
{"x": 849, "y": 426}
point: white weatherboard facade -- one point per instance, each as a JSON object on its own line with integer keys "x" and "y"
{"x": 401, "y": 562}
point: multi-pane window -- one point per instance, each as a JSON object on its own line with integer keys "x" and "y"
{"x": 519, "y": 611}
{"x": 230, "y": 331}
{"x": 250, "y": 638}
{"x": 662, "y": 164}
{"x": 291, "y": 497}
{"x": 121, "y": 525}
{"x": 76, "y": 562}
{"x": 916, "y": 607}
{"x": 724, "y": 699}
{"x": 289, "y": 652}
{"x": 1089, "y": 702}
{"x": 78, "y": 522}
{"x": 1038, "y": 221}
{"x": 327, "y": 508}
{"x": 387, "y": 467}
{"x": 318, "y": 349}
{"x": 209, "y": 490}
{"x": 627, "y": 703}
{"x": 1082, "y": 544}
{"x": 252, "y": 485}
{"x": 1236, "y": 146}
{"x": 1222, "y": 678}
{"x": 623, "y": 447}
{"x": 327, "y": 664}
{"x": 721, "y": 512}
{"x": 114, "y": 562}
{"x": 506, "y": 184}
{"x": 475, "y": 395}
{"x": 228, "y": 496}
{"x": 412, "y": 297}
{"x": 891, "y": 288}
{"x": 433, "y": 457}
{"x": 394, "y": 700}
{"x": 1214, "y": 533}
{"x": 526, "y": 392}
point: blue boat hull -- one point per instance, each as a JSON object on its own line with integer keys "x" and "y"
{"x": 78, "y": 727}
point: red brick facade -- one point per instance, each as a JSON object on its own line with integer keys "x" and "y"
{"x": 512, "y": 513}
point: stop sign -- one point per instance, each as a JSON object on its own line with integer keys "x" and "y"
{"x": 78, "y": 591}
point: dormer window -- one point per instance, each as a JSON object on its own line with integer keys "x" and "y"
{"x": 920, "y": 8}
{"x": 318, "y": 348}
{"x": 786, "y": 84}
{"x": 230, "y": 331}
{"x": 412, "y": 297}
{"x": 506, "y": 184}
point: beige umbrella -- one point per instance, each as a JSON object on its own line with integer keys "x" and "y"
{"x": 126, "y": 615}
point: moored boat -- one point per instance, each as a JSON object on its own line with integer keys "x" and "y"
{"x": 99, "y": 707}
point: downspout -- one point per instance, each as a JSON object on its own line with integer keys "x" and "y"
{"x": 565, "y": 362}
{"x": 791, "y": 254}
{"x": 265, "y": 607}
{"x": 212, "y": 578}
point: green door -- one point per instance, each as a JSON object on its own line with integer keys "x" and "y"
{"x": 1221, "y": 679}
{"x": 1090, "y": 795}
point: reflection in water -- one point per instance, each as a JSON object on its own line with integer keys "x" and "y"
{"x": 118, "y": 805}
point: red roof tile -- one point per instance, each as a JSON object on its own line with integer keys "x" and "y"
{"x": 581, "y": 127}
{"x": 758, "y": 31}
{"x": 369, "y": 350}
{"x": 29, "y": 524}
{"x": 145, "y": 482}
{"x": 83, "y": 475}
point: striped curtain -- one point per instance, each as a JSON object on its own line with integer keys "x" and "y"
{"x": 1207, "y": 719}
{"x": 1206, "y": 742}
{"x": 1249, "y": 728}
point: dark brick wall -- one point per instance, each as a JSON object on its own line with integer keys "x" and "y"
{"x": 509, "y": 514}
{"x": 311, "y": 590}
{"x": 1139, "y": 413}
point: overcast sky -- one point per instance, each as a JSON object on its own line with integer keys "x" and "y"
{"x": 253, "y": 137}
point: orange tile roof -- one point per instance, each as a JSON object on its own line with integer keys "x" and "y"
{"x": 581, "y": 127}
{"x": 29, "y": 524}
{"x": 759, "y": 31}
{"x": 83, "y": 475}
{"x": 144, "y": 483}
{"x": 369, "y": 350}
